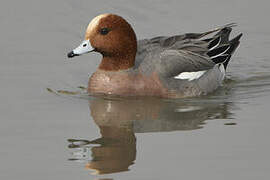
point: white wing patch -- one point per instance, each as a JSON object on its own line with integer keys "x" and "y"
{"x": 190, "y": 75}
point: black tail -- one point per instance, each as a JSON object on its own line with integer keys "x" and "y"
{"x": 221, "y": 48}
{"x": 234, "y": 43}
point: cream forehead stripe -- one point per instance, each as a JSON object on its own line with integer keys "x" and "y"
{"x": 95, "y": 22}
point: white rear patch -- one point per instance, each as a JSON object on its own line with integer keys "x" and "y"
{"x": 190, "y": 75}
{"x": 222, "y": 70}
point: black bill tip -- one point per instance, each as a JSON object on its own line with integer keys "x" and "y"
{"x": 71, "y": 54}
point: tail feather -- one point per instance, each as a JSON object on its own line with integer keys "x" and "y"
{"x": 234, "y": 43}
{"x": 224, "y": 34}
{"x": 220, "y": 48}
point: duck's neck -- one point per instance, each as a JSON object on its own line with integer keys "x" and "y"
{"x": 111, "y": 63}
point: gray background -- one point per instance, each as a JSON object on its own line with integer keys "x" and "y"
{"x": 35, "y": 124}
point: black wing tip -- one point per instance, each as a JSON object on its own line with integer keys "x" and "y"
{"x": 220, "y": 50}
{"x": 221, "y": 59}
{"x": 214, "y": 43}
{"x": 222, "y": 53}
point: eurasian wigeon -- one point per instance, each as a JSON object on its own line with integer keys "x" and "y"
{"x": 167, "y": 66}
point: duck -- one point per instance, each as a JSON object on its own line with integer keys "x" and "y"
{"x": 178, "y": 66}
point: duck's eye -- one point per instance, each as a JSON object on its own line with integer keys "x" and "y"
{"x": 104, "y": 31}
{"x": 84, "y": 45}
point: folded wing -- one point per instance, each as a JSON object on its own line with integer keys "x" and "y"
{"x": 192, "y": 52}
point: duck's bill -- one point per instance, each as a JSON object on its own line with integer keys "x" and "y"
{"x": 83, "y": 48}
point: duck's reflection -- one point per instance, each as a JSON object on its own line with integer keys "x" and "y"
{"x": 120, "y": 119}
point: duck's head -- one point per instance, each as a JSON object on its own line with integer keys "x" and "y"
{"x": 114, "y": 38}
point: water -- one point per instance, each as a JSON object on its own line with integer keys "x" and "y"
{"x": 46, "y": 136}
